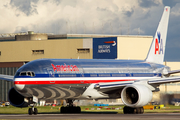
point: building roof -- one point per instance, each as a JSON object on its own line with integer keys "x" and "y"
{"x": 11, "y": 37}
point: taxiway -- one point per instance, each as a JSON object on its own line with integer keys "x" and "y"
{"x": 147, "y": 116}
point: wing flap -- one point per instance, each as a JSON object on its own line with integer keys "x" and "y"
{"x": 164, "y": 80}
{"x": 112, "y": 86}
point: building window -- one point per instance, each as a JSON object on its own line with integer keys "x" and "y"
{"x": 0, "y": 53}
{"x": 83, "y": 50}
{"x": 37, "y": 51}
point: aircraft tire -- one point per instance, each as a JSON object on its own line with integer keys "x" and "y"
{"x": 141, "y": 110}
{"x": 70, "y": 110}
{"x": 64, "y": 110}
{"x": 78, "y": 109}
{"x": 35, "y": 111}
{"x": 30, "y": 112}
{"x": 129, "y": 110}
{"x": 138, "y": 110}
{"x": 125, "y": 110}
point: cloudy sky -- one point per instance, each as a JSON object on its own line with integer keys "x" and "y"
{"x": 126, "y": 17}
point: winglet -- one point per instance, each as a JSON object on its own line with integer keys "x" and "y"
{"x": 157, "y": 49}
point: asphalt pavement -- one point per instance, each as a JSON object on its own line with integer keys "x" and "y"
{"x": 146, "y": 116}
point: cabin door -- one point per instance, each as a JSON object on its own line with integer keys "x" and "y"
{"x": 51, "y": 76}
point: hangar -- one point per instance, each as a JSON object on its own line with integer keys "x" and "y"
{"x": 21, "y": 48}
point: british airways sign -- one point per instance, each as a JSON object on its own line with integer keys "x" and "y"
{"x": 105, "y": 48}
{"x": 158, "y": 44}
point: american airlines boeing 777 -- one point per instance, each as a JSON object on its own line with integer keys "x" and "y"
{"x": 76, "y": 79}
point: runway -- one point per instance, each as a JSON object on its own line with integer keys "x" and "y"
{"x": 146, "y": 116}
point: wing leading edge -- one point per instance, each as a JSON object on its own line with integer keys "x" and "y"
{"x": 7, "y": 77}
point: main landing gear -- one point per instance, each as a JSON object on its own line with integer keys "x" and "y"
{"x": 70, "y": 108}
{"x": 130, "y": 110}
{"x": 32, "y": 110}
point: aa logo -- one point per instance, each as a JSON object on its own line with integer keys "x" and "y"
{"x": 158, "y": 44}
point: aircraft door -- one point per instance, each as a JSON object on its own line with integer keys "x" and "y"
{"x": 51, "y": 76}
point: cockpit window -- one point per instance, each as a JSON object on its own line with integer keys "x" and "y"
{"x": 32, "y": 73}
{"x": 23, "y": 74}
{"x": 28, "y": 73}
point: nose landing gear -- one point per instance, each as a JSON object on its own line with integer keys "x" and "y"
{"x": 32, "y": 111}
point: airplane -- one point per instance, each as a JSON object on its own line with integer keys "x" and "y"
{"x": 134, "y": 81}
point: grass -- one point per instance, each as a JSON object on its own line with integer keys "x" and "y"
{"x": 92, "y": 109}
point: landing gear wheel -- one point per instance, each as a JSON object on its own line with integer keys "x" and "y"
{"x": 30, "y": 111}
{"x": 129, "y": 110}
{"x": 78, "y": 109}
{"x": 35, "y": 111}
{"x": 64, "y": 110}
{"x": 138, "y": 110}
{"x": 142, "y": 110}
{"x": 70, "y": 108}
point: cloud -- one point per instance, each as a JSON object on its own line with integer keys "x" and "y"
{"x": 28, "y": 7}
{"x": 148, "y": 3}
{"x": 129, "y": 13}
{"x": 77, "y": 14}
{"x": 170, "y": 3}
{"x": 89, "y": 16}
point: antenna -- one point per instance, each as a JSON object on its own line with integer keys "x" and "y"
{"x": 93, "y": 27}
{"x": 120, "y": 29}
{"x": 138, "y": 31}
{"x": 66, "y": 27}
{"x": 102, "y": 28}
{"x": 128, "y": 29}
{"x": 84, "y": 28}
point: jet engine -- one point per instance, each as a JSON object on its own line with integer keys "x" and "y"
{"x": 16, "y": 99}
{"x": 136, "y": 95}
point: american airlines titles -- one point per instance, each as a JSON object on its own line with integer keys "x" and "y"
{"x": 64, "y": 68}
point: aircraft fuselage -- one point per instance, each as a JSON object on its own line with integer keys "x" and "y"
{"x": 72, "y": 78}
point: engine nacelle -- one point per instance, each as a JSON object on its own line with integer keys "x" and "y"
{"x": 16, "y": 99}
{"x": 136, "y": 95}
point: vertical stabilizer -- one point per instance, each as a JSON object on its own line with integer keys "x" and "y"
{"x": 157, "y": 49}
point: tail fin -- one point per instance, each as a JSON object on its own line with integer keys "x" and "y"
{"x": 157, "y": 49}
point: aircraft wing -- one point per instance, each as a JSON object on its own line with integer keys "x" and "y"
{"x": 113, "y": 86}
{"x": 7, "y": 77}
{"x": 173, "y": 72}
{"x": 164, "y": 80}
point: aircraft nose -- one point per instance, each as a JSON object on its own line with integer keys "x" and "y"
{"x": 18, "y": 85}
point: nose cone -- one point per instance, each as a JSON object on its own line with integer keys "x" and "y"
{"x": 17, "y": 84}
